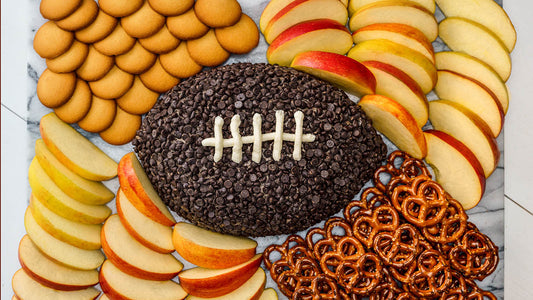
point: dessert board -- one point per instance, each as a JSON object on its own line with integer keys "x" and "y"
{"x": 488, "y": 215}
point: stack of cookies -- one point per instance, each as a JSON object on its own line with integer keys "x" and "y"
{"x": 107, "y": 62}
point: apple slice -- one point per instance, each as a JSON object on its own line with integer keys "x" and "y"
{"x": 313, "y": 35}
{"x": 467, "y": 127}
{"x": 269, "y": 294}
{"x": 270, "y": 10}
{"x": 474, "y": 39}
{"x": 137, "y": 187}
{"x": 456, "y": 168}
{"x": 210, "y": 283}
{"x": 472, "y": 95}
{"x": 75, "y": 151}
{"x": 45, "y": 190}
{"x": 62, "y": 252}
{"x": 85, "y": 236}
{"x": 395, "y": 84}
{"x": 118, "y": 285}
{"x": 77, "y": 187}
{"x": 485, "y": 12}
{"x": 50, "y": 273}
{"x": 472, "y": 67}
{"x": 303, "y": 10}
{"x": 397, "y": 11}
{"x": 26, "y": 287}
{"x": 148, "y": 232}
{"x": 399, "y": 33}
{"x": 414, "y": 64}
{"x": 339, "y": 70}
{"x": 210, "y": 249}
{"x": 396, "y": 123}
{"x": 133, "y": 257}
{"x": 355, "y": 5}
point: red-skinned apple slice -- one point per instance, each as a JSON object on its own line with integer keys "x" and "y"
{"x": 119, "y": 285}
{"x": 473, "y": 95}
{"x": 269, "y": 294}
{"x": 456, "y": 168}
{"x": 137, "y": 187}
{"x": 396, "y": 123}
{"x": 341, "y": 71}
{"x": 467, "y": 127}
{"x": 313, "y": 35}
{"x": 210, "y": 283}
{"x": 395, "y": 84}
{"x": 133, "y": 257}
{"x": 398, "y": 11}
{"x": 303, "y": 10}
{"x": 355, "y": 5}
{"x": 210, "y": 249}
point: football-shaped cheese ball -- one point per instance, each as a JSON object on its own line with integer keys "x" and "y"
{"x": 257, "y": 149}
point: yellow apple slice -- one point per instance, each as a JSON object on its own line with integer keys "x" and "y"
{"x": 339, "y": 70}
{"x": 472, "y": 67}
{"x": 414, "y": 64}
{"x": 77, "y": 187}
{"x": 133, "y": 257}
{"x": 472, "y": 95}
{"x": 26, "y": 287}
{"x": 303, "y": 10}
{"x": 464, "y": 35}
{"x": 395, "y": 84}
{"x": 270, "y": 10}
{"x": 148, "y": 232}
{"x": 398, "y": 11}
{"x": 210, "y": 249}
{"x": 467, "y": 127}
{"x": 75, "y": 151}
{"x": 485, "y": 12}
{"x": 313, "y": 35}
{"x": 46, "y": 191}
{"x": 355, "y": 5}
{"x": 119, "y": 285}
{"x": 62, "y": 252}
{"x": 137, "y": 187}
{"x": 456, "y": 168}
{"x": 269, "y": 294}
{"x": 396, "y": 123}
{"x": 85, "y": 236}
{"x": 245, "y": 281}
{"x": 49, "y": 272}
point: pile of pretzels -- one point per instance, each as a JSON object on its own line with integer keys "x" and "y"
{"x": 406, "y": 238}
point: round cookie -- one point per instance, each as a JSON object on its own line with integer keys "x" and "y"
{"x": 218, "y": 13}
{"x": 157, "y": 79}
{"x": 96, "y": 65}
{"x": 136, "y": 61}
{"x": 179, "y": 63}
{"x": 143, "y": 23}
{"x": 101, "y": 27}
{"x": 120, "y": 8}
{"x": 240, "y": 38}
{"x": 113, "y": 85}
{"x": 161, "y": 42}
{"x": 207, "y": 51}
{"x": 54, "y": 89}
{"x": 58, "y": 9}
{"x": 123, "y": 129}
{"x": 81, "y": 17}
{"x": 171, "y": 7}
{"x": 78, "y": 105}
{"x": 100, "y": 115}
{"x": 139, "y": 99}
{"x": 70, "y": 60}
{"x": 186, "y": 26}
{"x": 50, "y": 41}
{"x": 116, "y": 43}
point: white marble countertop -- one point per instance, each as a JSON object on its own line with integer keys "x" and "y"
{"x": 19, "y": 132}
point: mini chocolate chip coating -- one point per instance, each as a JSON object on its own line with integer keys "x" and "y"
{"x": 269, "y": 197}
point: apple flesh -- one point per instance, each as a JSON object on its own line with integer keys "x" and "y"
{"x": 313, "y": 35}
{"x": 456, "y": 168}
{"x": 355, "y": 5}
{"x": 339, "y": 70}
{"x": 269, "y": 294}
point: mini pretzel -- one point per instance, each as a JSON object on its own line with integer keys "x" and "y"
{"x": 383, "y": 218}
{"x": 281, "y": 249}
{"x": 433, "y": 276}
{"x": 475, "y": 256}
{"x": 451, "y": 227}
{"x": 362, "y": 276}
{"x": 398, "y": 248}
{"x": 321, "y": 287}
